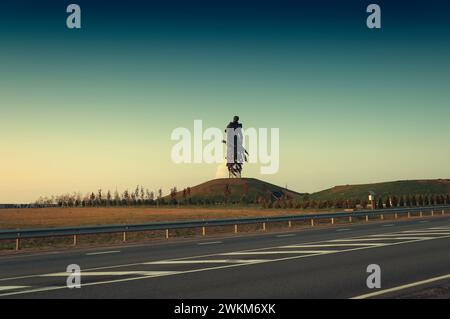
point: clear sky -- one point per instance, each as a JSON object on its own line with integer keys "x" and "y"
{"x": 94, "y": 108}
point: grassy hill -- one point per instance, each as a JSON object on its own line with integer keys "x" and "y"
{"x": 240, "y": 188}
{"x": 408, "y": 187}
{"x": 248, "y": 189}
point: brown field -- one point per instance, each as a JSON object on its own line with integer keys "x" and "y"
{"x": 59, "y": 217}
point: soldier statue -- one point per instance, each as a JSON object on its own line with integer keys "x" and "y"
{"x": 236, "y": 154}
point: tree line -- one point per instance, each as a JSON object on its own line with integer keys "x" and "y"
{"x": 265, "y": 199}
{"x": 380, "y": 203}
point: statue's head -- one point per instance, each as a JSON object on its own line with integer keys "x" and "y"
{"x": 236, "y": 118}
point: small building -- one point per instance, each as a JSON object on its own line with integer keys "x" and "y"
{"x": 372, "y": 199}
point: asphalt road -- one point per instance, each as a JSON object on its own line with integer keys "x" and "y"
{"x": 318, "y": 263}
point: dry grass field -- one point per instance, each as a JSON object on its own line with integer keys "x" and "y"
{"x": 59, "y": 217}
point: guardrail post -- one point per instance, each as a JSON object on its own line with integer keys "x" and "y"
{"x": 396, "y": 216}
{"x": 204, "y": 231}
{"x": 350, "y": 219}
{"x": 432, "y": 212}
{"x": 17, "y": 243}
{"x": 443, "y": 212}
{"x": 264, "y": 226}
{"x": 74, "y": 240}
{"x": 421, "y": 213}
{"x": 367, "y": 218}
{"x": 235, "y": 229}
{"x": 382, "y": 217}
{"x": 289, "y": 224}
{"x": 409, "y": 214}
{"x": 332, "y": 221}
{"x": 312, "y": 222}
{"x": 124, "y": 236}
{"x": 167, "y": 234}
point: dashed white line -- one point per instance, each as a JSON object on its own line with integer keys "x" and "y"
{"x": 285, "y": 235}
{"x": 388, "y": 225}
{"x": 343, "y": 229}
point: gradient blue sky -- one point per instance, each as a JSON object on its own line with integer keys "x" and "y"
{"x": 94, "y": 108}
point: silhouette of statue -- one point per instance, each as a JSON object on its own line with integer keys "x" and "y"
{"x": 236, "y": 154}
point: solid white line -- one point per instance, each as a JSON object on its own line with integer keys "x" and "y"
{"x": 285, "y": 235}
{"x": 103, "y": 253}
{"x": 332, "y": 245}
{"x": 211, "y": 243}
{"x": 408, "y": 234}
{"x": 112, "y": 273}
{"x": 199, "y": 270}
{"x": 398, "y": 288}
{"x": 3, "y": 288}
{"x": 343, "y": 229}
{"x": 205, "y": 261}
{"x": 280, "y": 252}
{"x": 384, "y": 238}
{"x": 427, "y": 231}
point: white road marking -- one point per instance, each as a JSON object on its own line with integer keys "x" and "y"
{"x": 103, "y": 253}
{"x": 383, "y": 238}
{"x": 211, "y": 243}
{"x": 285, "y": 235}
{"x": 423, "y": 221}
{"x": 3, "y": 288}
{"x": 427, "y": 231}
{"x": 398, "y": 288}
{"x": 279, "y": 252}
{"x": 205, "y": 261}
{"x": 343, "y": 229}
{"x": 332, "y": 245}
{"x": 113, "y": 273}
{"x": 408, "y": 234}
{"x": 388, "y": 225}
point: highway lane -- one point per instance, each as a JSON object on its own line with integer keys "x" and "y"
{"x": 229, "y": 270}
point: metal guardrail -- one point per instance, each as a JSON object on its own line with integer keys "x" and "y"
{"x": 18, "y": 234}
